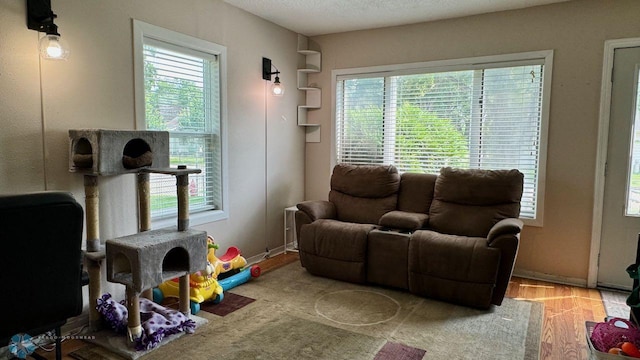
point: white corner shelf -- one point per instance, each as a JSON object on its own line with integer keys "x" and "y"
{"x": 313, "y": 94}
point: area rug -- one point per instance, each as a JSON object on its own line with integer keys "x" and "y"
{"x": 399, "y": 351}
{"x": 109, "y": 342}
{"x": 230, "y": 303}
{"x": 615, "y": 303}
{"x": 300, "y": 316}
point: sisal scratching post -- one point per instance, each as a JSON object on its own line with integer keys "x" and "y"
{"x": 134, "y": 328}
{"x": 93, "y": 268}
{"x": 185, "y": 304}
{"x": 93, "y": 246}
{"x": 182, "y": 184}
{"x": 144, "y": 202}
{"x": 92, "y": 194}
{"x": 144, "y": 214}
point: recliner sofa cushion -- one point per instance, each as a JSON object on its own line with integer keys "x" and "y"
{"x": 416, "y": 192}
{"x": 369, "y": 181}
{"x": 387, "y": 258}
{"x": 454, "y": 268}
{"x": 469, "y": 202}
{"x": 363, "y": 193}
{"x": 361, "y": 210}
{"x": 335, "y": 249}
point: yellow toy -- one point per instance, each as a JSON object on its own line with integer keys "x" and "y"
{"x": 203, "y": 285}
{"x": 231, "y": 260}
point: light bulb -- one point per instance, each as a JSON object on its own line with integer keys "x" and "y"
{"x": 54, "y": 50}
{"x": 52, "y": 47}
{"x": 277, "y": 89}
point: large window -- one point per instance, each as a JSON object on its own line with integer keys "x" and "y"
{"x": 487, "y": 113}
{"x": 179, "y": 88}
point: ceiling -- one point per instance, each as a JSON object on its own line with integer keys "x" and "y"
{"x": 318, "y": 17}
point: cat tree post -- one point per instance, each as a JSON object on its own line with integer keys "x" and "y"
{"x": 144, "y": 213}
{"x": 134, "y": 326}
{"x": 182, "y": 185}
{"x": 92, "y": 196}
{"x": 144, "y": 207}
{"x": 94, "y": 263}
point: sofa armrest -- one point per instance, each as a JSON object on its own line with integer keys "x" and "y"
{"x": 504, "y": 227}
{"x": 318, "y": 209}
{"x": 404, "y": 220}
{"x": 504, "y": 235}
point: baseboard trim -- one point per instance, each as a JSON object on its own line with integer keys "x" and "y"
{"x": 265, "y": 255}
{"x": 534, "y": 275}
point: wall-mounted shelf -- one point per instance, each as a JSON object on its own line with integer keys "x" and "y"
{"x": 313, "y": 94}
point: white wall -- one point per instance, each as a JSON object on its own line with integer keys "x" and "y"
{"x": 94, "y": 89}
{"x": 576, "y": 31}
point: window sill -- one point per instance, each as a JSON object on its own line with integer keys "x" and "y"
{"x": 194, "y": 219}
{"x": 532, "y": 222}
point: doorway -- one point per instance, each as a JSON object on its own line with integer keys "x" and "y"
{"x": 619, "y": 224}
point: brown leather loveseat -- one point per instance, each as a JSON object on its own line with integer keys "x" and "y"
{"x": 452, "y": 237}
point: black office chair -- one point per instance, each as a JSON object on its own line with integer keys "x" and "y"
{"x": 40, "y": 263}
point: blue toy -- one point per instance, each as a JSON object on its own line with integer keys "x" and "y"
{"x": 240, "y": 278}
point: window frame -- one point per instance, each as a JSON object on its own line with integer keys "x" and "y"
{"x": 142, "y": 30}
{"x": 472, "y": 63}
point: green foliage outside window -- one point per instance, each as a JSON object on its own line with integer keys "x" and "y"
{"x": 176, "y": 105}
{"x": 426, "y": 142}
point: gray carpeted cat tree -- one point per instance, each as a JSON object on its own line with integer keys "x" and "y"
{"x": 143, "y": 260}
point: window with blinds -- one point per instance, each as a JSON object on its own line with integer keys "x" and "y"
{"x": 182, "y": 96}
{"x": 488, "y": 116}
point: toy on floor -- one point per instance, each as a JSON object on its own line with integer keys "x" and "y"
{"x": 204, "y": 285}
{"x": 240, "y": 278}
{"x": 229, "y": 269}
{"x": 231, "y": 260}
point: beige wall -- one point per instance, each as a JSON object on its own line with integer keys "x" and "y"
{"x": 576, "y": 31}
{"x": 94, "y": 89}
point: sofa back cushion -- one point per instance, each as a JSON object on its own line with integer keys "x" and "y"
{"x": 469, "y": 202}
{"x": 363, "y": 193}
{"x": 416, "y": 192}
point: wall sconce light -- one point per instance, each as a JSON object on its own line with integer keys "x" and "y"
{"x": 40, "y": 18}
{"x": 276, "y": 89}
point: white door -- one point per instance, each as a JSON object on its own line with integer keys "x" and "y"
{"x": 621, "y": 210}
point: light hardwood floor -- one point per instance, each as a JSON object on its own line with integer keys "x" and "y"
{"x": 566, "y": 308}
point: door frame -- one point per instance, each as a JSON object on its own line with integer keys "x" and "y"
{"x": 601, "y": 155}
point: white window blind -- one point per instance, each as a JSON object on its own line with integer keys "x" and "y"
{"x": 182, "y": 96}
{"x": 485, "y": 117}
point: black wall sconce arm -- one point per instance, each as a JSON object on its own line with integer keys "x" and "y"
{"x": 40, "y": 17}
{"x": 277, "y": 89}
{"x": 266, "y": 69}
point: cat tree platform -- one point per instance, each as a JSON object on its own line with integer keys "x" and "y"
{"x": 144, "y": 260}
